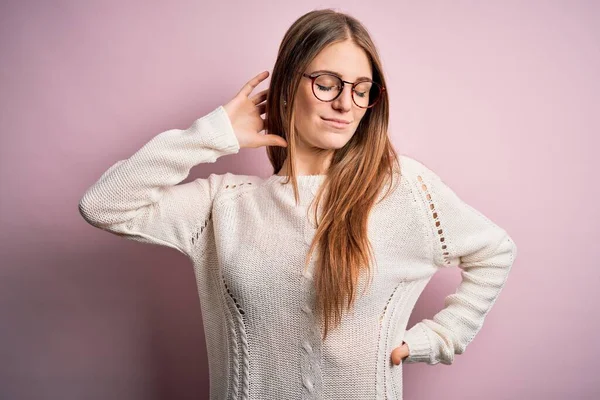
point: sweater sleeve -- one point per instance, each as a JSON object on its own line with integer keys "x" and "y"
{"x": 140, "y": 198}
{"x": 463, "y": 237}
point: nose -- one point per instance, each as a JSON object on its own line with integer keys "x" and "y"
{"x": 344, "y": 100}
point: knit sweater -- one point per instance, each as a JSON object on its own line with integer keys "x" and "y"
{"x": 247, "y": 240}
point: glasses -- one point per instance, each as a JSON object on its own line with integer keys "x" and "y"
{"x": 327, "y": 87}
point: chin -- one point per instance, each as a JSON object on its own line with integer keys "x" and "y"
{"x": 336, "y": 142}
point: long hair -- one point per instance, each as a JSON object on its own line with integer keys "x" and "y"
{"x": 357, "y": 173}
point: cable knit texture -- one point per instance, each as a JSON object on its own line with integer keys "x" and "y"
{"x": 247, "y": 239}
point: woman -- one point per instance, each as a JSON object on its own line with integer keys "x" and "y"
{"x": 306, "y": 289}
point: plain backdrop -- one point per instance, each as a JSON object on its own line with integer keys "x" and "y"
{"x": 500, "y": 98}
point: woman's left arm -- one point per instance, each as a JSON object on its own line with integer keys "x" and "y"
{"x": 463, "y": 237}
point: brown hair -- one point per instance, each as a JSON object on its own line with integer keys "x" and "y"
{"x": 357, "y": 172}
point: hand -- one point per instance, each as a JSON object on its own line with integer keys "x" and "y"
{"x": 400, "y": 353}
{"x": 245, "y": 115}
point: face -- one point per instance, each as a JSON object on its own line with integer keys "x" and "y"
{"x": 351, "y": 63}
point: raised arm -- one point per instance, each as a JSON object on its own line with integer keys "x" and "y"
{"x": 463, "y": 237}
{"x": 140, "y": 198}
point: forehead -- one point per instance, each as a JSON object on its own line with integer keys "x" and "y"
{"x": 345, "y": 59}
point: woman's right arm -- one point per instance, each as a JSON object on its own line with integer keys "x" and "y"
{"x": 140, "y": 198}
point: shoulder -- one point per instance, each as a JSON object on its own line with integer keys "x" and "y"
{"x": 412, "y": 167}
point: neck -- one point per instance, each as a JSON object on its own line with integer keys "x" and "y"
{"x": 308, "y": 164}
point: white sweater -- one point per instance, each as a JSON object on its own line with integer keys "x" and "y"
{"x": 247, "y": 240}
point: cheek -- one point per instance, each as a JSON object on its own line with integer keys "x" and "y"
{"x": 359, "y": 116}
{"x": 307, "y": 108}
{"x": 311, "y": 114}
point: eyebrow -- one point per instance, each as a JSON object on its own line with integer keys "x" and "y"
{"x": 338, "y": 74}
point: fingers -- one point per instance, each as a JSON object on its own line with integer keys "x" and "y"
{"x": 399, "y": 354}
{"x": 253, "y": 83}
{"x": 396, "y": 357}
{"x": 274, "y": 140}
{"x": 262, "y": 108}
{"x": 260, "y": 96}
{"x": 264, "y": 124}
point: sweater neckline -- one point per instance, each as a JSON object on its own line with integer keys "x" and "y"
{"x": 304, "y": 181}
{"x": 300, "y": 178}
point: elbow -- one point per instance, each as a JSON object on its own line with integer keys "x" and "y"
{"x": 90, "y": 212}
{"x": 495, "y": 250}
{"x": 85, "y": 212}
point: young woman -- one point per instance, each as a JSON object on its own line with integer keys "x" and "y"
{"x": 306, "y": 287}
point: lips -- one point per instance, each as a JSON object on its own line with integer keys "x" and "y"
{"x": 341, "y": 121}
{"x": 335, "y": 124}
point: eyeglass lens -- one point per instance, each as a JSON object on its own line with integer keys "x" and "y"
{"x": 327, "y": 87}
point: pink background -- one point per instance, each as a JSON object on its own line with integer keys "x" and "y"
{"x": 500, "y": 98}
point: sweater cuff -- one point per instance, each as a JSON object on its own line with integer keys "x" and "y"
{"x": 216, "y": 132}
{"x": 419, "y": 346}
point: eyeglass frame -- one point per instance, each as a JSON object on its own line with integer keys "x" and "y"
{"x": 314, "y": 77}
